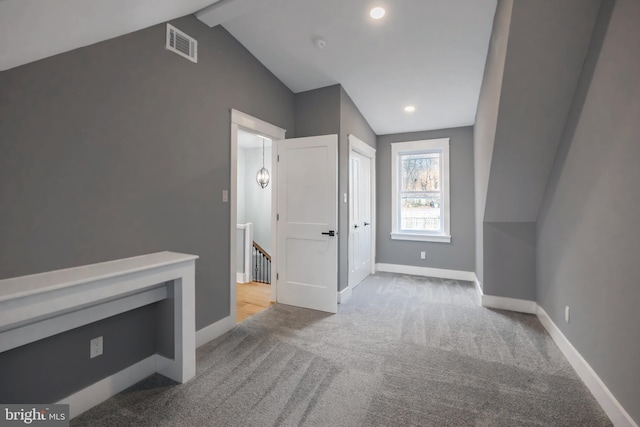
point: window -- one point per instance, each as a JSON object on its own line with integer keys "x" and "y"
{"x": 420, "y": 190}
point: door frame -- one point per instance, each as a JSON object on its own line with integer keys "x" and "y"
{"x": 358, "y": 146}
{"x": 240, "y": 120}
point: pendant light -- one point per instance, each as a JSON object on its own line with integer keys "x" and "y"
{"x": 263, "y": 176}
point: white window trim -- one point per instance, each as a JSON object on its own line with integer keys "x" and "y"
{"x": 398, "y": 148}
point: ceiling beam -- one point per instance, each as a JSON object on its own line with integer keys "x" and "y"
{"x": 226, "y": 10}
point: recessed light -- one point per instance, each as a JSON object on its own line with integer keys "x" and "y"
{"x": 377, "y": 12}
{"x": 409, "y": 109}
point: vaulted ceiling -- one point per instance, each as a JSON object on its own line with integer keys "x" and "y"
{"x": 34, "y": 29}
{"x": 426, "y": 53}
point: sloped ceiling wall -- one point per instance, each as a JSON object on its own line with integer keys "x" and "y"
{"x": 33, "y": 29}
{"x": 484, "y": 130}
{"x": 548, "y": 42}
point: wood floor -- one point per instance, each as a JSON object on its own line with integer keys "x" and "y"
{"x": 251, "y": 298}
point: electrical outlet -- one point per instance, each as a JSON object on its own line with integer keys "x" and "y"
{"x": 423, "y": 255}
{"x": 95, "y": 347}
{"x": 566, "y": 314}
{"x": 225, "y": 196}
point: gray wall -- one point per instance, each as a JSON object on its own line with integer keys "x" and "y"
{"x": 484, "y": 130}
{"x": 457, "y": 255}
{"x": 351, "y": 123}
{"x": 330, "y": 110}
{"x": 509, "y": 256}
{"x": 51, "y": 369}
{"x": 548, "y": 42}
{"x": 588, "y": 234}
{"x": 525, "y": 100}
{"x": 122, "y": 148}
{"x": 318, "y": 112}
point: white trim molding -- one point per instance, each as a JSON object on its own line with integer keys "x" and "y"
{"x": 433, "y": 146}
{"x": 356, "y": 145}
{"x": 240, "y": 120}
{"x": 427, "y": 271}
{"x": 505, "y": 303}
{"x": 478, "y": 285}
{"x": 31, "y": 332}
{"x": 213, "y": 331}
{"x": 442, "y": 238}
{"x": 344, "y": 295}
{"x": 102, "y": 390}
{"x": 614, "y": 410}
{"x": 511, "y": 304}
{"x": 359, "y": 146}
{"x": 69, "y": 298}
{"x": 256, "y": 125}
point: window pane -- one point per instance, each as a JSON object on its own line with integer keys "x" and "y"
{"x": 420, "y": 172}
{"x": 420, "y": 211}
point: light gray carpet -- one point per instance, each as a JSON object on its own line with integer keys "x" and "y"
{"x": 404, "y": 350}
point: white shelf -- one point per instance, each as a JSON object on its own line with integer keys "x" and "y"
{"x": 41, "y": 305}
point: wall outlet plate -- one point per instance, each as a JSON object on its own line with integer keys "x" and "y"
{"x": 95, "y": 347}
{"x": 423, "y": 255}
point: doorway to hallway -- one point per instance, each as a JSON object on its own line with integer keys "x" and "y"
{"x": 303, "y": 216}
{"x": 254, "y": 223}
{"x": 251, "y": 298}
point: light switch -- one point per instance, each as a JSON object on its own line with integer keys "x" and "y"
{"x": 225, "y": 196}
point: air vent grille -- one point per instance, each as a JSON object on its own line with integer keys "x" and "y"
{"x": 181, "y": 43}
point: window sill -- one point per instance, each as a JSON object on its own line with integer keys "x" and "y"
{"x": 440, "y": 238}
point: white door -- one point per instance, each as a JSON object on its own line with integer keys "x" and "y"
{"x": 361, "y": 219}
{"x": 308, "y": 219}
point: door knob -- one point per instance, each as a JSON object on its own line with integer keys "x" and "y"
{"x": 356, "y": 226}
{"x": 329, "y": 233}
{"x": 367, "y": 223}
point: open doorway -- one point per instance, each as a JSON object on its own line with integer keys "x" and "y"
{"x": 254, "y": 204}
{"x": 303, "y": 243}
{"x": 254, "y": 224}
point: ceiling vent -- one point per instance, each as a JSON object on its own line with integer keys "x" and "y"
{"x": 182, "y": 44}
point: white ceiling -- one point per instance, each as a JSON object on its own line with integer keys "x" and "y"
{"x": 428, "y": 53}
{"x": 34, "y": 29}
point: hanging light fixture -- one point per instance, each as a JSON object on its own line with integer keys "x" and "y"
{"x": 263, "y": 175}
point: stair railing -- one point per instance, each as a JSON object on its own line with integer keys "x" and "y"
{"x": 261, "y": 264}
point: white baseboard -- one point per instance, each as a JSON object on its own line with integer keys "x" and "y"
{"x": 504, "y": 303}
{"x": 97, "y": 393}
{"x": 344, "y": 295}
{"x": 616, "y": 413}
{"x": 213, "y": 331}
{"x": 102, "y": 390}
{"x": 511, "y": 304}
{"x": 478, "y": 285}
{"x": 614, "y": 410}
{"x": 427, "y": 271}
{"x": 243, "y": 277}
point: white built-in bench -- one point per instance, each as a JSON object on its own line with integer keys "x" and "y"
{"x": 41, "y": 305}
